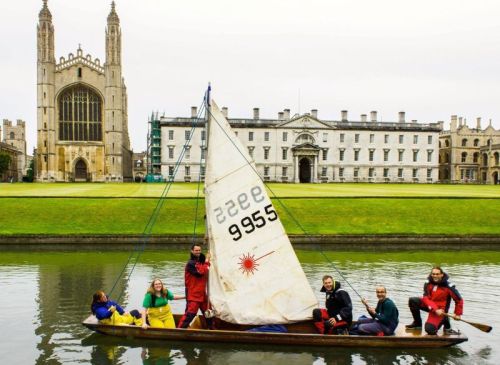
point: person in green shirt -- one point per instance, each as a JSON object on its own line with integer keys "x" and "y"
{"x": 384, "y": 317}
{"x": 156, "y": 306}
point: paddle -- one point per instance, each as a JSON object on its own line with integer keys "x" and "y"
{"x": 479, "y": 326}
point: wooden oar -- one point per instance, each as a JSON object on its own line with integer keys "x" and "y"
{"x": 479, "y": 326}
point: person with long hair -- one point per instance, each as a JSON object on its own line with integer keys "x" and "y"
{"x": 156, "y": 306}
{"x": 110, "y": 312}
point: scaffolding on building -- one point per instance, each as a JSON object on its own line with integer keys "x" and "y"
{"x": 154, "y": 149}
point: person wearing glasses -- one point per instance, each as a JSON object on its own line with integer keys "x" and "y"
{"x": 438, "y": 293}
{"x": 384, "y": 317}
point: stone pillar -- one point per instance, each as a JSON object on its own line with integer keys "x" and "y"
{"x": 315, "y": 168}
{"x": 296, "y": 171}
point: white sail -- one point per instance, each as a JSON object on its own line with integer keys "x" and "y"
{"x": 255, "y": 277}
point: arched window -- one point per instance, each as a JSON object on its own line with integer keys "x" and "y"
{"x": 485, "y": 159}
{"x": 475, "y": 157}
{"x": 464, "y": 157}
{"x": 12, "y": 135}
{"x": 80, "y": 114}
{"x": 476, "y": 142}
{"x": 447, "y": 143}
{"x": 439, "y": 144}
{"x": 496, "y": 158}
{"x": 489, "y": 142}
{"x": 304, "y": 138}
{"x": 447, "y": 158}
{"x": 464, "y": 142}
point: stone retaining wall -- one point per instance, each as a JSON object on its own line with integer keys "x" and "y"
{"x": 323, "y": 242}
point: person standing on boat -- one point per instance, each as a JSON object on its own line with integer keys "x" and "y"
{"x": 156, "y": 306}
{"x": 196, "y": 278}
{"x": 438, "y": 293}
{"x": 109, "y": 312}
{"x": 385, "y": 317}
{"x": 337, "y": 316}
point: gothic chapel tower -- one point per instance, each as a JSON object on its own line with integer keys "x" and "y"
{"x": 45, "y": 95}
{"x": 82, "y": 110}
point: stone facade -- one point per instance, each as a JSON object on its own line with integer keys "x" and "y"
{"x": 304, "y": 148}
{"x": 81, "y": 110}
{"x": 469, "y": 155}
{"x": 15, "y": 135}
{"x": 140, "y": 162}
{"x": 13, "y": 173}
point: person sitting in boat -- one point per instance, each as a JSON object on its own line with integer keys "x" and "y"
{"x": 438, "y": 293}
{"x": 156, "y": 306}
{"x": 109, "y": 312}
{"x": 384, "y": 318}
{"x": 337, "y": 317}
{"x": 196, "y": 277}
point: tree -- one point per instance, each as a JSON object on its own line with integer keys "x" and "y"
{"x": 4, "y": 162}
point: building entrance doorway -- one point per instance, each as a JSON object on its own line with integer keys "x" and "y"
{"x": 80, "y": 171}
{"x": 304, "y": 170}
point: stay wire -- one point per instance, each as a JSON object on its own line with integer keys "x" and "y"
{"x": 284, "y": 206}
{"x": 146, "y": 234}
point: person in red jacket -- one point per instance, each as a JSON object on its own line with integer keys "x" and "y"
{"x": 196, "y": 278}
{"x": 438, "y": 293}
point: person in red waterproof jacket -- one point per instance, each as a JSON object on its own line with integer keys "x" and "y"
{"x": 337, "y": 317}
{"x": 438, "y": 293}
{"x": 196, "y": 278}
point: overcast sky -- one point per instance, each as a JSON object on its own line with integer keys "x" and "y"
{"x": 430, "y": 58}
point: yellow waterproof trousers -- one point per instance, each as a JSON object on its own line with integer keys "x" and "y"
{"x": 161, "y": 317}
{"x": 118, "y": 319}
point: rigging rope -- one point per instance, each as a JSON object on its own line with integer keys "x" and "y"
{"x": 146, "y": 234}
{"x": 282, "y": 205}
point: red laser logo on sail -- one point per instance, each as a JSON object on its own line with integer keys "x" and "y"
{"x": 248, "y": 263}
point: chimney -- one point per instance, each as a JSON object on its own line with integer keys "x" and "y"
{"x": 343, "y": 114}
{"x": 441, "y": 125}
{"x": 256, "y": 113}
{"x": 460, "y": 121}
{"x": 373, "y": 116}
{"x": 280, "y": 116}
{"x": 194, "y": 112}
{"x": 453, "y": 123}
{"x": 401, "y": 117}
{"x": 224, "y": 111}
{"x": 286, "y": 114}
{"x": 478, "y": 123}
{"x": 363, "y": 117}
{"x": 314, "y": 113}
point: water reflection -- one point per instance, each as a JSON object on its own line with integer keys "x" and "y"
{"x": 56, "y": 289}
{"x": 113, "y": 350}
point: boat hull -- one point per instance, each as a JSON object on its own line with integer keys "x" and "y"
{"x": 300, "y": 334}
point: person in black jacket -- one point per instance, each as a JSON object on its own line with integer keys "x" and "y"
{"x": 337, "y": 317}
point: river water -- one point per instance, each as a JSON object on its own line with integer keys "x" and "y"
{"x": 46, "y": 295}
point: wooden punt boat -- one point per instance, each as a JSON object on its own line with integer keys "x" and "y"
{"x": 299, "y": 334}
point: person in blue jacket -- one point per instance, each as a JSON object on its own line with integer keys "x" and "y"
{"x": 110, "y": 312}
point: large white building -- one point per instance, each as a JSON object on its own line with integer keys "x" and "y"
{"x": 304, "y": 148}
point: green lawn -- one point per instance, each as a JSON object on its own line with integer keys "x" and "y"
{"x": 316, "y": 215}
{"x": 280, "y": 190}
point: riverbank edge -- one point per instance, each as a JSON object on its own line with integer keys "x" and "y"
{"x": 392, "y": 242}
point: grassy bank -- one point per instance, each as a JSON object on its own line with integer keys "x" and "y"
{"x": 317, "y": 216}
{"x": 281, "y": 190}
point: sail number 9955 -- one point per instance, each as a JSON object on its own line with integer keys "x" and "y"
{"x": 251, "y": 222}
